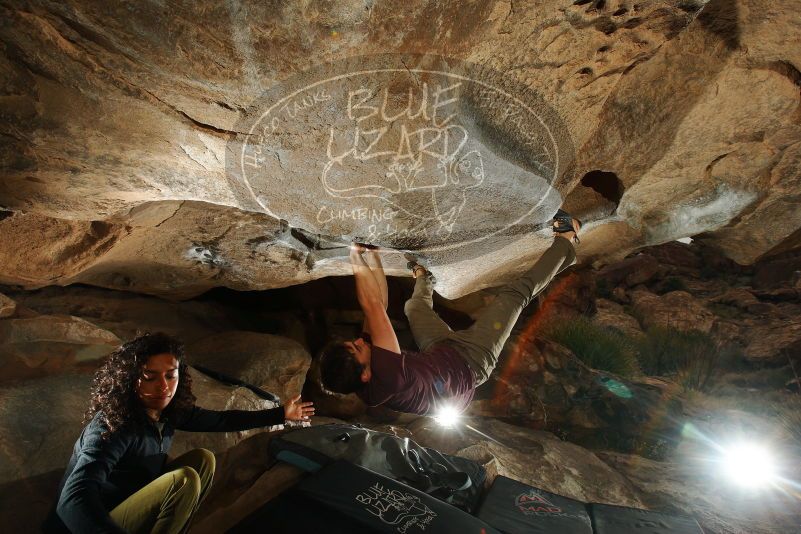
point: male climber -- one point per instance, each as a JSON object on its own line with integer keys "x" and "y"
{"x": 451, "y": 364}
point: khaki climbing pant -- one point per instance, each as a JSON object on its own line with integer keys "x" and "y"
{"x": 167, "y": 505}
{"x": 481, "y": 344}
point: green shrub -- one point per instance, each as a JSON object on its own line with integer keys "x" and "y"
{"x": 597, "y": 346}
{"x": 689, "y": 356}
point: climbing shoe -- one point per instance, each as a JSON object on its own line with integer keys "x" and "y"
{"x": 563, "y": 223}
{"x": 412, "y": 265}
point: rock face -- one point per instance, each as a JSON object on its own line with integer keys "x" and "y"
{"x": 542, "y": 385}
{"x": 632, "y": 271}
{"x": 7, "y": 307}
{"x": 777, "y": 340}
{"x": 677, "y": 309}
{"x": 273, "y": 363}
{"x": 535, "y": 458}
{"x": 48, "y": 344}
{"x": 145, "y": 193}
{"x": 612, "y": 315}
{"x": 125, "y": 314}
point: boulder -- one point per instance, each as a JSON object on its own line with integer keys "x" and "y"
{"x": 781, "y": 294}
{"x": 677, "y": 309}
{"x": 275, "y": 364}
{"x": 232, "y": 506}
{"x": 679, "y": 258}
{"x": 568, "y": 295}
{"x": 761, "y": 308}
{"x": 774, "y": 341}
{"x": 632, "y": 271}
{"x": 612, "y": 315}
{"x": 705, "y": 287}
{"x": 532, "y": 457}
{"x": 737, "y": 296}
{"x": 540, "y": 384}
{"x": 126, "y": 314}
{"x": 620, "y": 295}
{"x": 40, "y": 420}
{"x": 728, "y": 332}
{"x": 7, "y": 307}
{"x": 50, "y": 344}
{"x": 777, "y": 270}
{"x": 677, "y": 485}
{"x": 246, "y": 478}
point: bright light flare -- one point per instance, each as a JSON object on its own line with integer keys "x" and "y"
{"x": 749, "y": 464}
{"x": 447, "y": 416}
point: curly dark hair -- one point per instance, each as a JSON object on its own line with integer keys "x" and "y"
{"x": 114, "y": 388}
{"x": 340, "y": 372}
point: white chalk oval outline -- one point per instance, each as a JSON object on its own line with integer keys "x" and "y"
{"x": 435, "y": 248}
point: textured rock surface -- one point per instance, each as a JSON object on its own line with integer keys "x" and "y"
{"x": 49, "y": 344}
{"x": 775, "y": 340}
{"x": 117, "y": 119}
{"x": 540, "y": 384}
{"x": 632, "y": 271}
{"x": 273, "y": 363}
{"x": 677, "y": 309}
{"x": 125, "y": 313}
{"x": 611, "y": 314}
{"x": 7, "y": 307}
{"x": 533, "y": 457}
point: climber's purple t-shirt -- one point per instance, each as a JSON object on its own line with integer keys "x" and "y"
{"x": 419, "y": 382}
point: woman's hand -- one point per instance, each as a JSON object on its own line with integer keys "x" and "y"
{"x": 294, "y": 410}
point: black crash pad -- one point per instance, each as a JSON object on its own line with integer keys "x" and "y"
{"x": 516, "y": 508}
{"x": 380, "y": 503}
{"x": 608, "y": 519}
{"x": 294, "y": 513}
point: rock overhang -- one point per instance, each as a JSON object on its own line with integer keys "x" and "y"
{"x": 116, "y": 145}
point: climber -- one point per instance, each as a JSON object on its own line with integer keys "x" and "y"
{"x": 118, "y": 478}
{"x": 451, "y": 364}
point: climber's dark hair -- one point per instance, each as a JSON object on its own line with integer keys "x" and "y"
{"x": 340, "y": 372}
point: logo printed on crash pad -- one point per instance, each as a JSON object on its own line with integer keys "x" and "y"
{"x": 403, "y": 510}
{"x": 532, "y": 503}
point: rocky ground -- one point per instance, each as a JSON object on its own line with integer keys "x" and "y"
{"x": 545, "y": 418}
